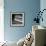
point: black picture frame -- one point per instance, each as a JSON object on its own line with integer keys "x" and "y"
{"x": 17, "y": 19}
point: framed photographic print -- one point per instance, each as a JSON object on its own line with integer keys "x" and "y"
{"x": 17, "y": 19}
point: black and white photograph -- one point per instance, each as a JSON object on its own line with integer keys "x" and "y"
{"x": 17, "y": 19}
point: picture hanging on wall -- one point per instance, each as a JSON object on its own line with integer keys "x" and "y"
{"x": 17, "y": 19}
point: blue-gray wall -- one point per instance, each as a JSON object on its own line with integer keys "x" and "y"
{"x": 29, "y": 7}
{"x": 43, "y": 6}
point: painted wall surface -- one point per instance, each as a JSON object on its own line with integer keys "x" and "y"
{"x": 29, "y": 7}
{"x": 43, "y": 6}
